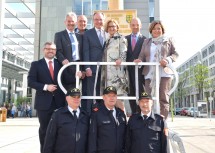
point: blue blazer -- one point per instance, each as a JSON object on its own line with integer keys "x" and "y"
{"x": 38, "y": 76}
{"x": 92, "y": 49}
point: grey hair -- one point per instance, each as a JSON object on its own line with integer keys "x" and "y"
{"x": 71, "y": 14}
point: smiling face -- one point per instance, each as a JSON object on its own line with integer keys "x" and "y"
{"x": 49, "y": 51}
{"x": 112, "y": 28}
{"x": 135, "y": 25}
{"x": 145, "y": 105}
{"x": 73, "y": 101}
{"x": 70, "y": 22}
{"x": 157, "y": 31}
{"x": 110, "y": 100}
{"x": 82, "y": 22}
{"x": 98, "y": 20}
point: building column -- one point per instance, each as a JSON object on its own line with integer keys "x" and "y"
{"x": 115, "y": 4}
{"x": 24, "y": 83}
{"x": 2, "y": 10}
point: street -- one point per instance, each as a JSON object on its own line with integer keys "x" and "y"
{"x": 20, "y": 135}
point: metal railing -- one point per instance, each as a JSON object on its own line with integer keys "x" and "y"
{"x": 156, "y": 104}
{"x": 175, "y": 143}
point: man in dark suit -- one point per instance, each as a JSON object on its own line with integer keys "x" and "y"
{"x": 93, "y": 51}
{"x": 69, "y": 49}
{"x": 81, "y": 28}
{"x": 42, "y": 77}
{"x": 135, "y": 41}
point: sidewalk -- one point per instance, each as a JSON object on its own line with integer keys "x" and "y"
{"x": 198, "y": 135}
{"x": 20, "y": 135}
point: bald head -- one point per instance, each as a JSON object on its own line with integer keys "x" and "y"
{"x": 135, "y": 25}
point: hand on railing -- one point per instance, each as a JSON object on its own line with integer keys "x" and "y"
{"x": 65, "y": 62}
{"x": 137, "y": 61}
{"x": 163, "y": 62}
{"x": 79, "y": 74}
{"x": 118, "y": 62}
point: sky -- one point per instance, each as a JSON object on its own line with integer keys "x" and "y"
{"x": 191, "y": 23}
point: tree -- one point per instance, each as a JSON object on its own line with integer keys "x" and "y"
{"x": 181, "y": 90}
{"x": 200, "y": 78}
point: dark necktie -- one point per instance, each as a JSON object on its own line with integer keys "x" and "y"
{"x": 112, "y": 117}
{"x": 51, "y": 70}
{"x": 74, "y": 115}
{"x": 145, "y": 117}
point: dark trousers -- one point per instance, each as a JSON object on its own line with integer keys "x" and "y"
{"x": 84, "y": 93}
{"x": 44, "y": 117}
{"x": 132, "y": 88}
{"x": 90, "y": 89}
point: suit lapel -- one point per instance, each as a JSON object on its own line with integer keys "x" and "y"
{"x": 56, "y": 69}
{"x": 94, "y": 33}
{"x": 129, "y": 43}
{"x": 46, "y": 69}
{"x": 65, "y": 33}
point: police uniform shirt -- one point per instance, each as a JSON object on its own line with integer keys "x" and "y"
{"x": 71, "y": 111}
{"x": 114, "y": 112}
{"x": 146, "y": 115}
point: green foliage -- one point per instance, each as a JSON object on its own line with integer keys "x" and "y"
{"x": 200, "y": 78}
{"x": 21, "y": 100}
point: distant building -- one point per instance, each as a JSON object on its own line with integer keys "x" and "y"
{"x": 186, "y": 94}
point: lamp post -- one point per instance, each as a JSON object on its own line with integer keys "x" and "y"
{"x": 210, "y": 101}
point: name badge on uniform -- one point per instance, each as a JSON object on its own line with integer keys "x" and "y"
{"x": 105, "y": 122}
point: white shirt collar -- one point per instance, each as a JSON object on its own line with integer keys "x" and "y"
{"x": 99, "y": 29}
{"x": 147, "y": 114}
{"x": 70, "y": 31}
{"x": 47, "y": 60}
{"x": 71, "y": 111}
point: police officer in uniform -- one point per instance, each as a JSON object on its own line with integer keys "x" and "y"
{"x": 146, "y": 131}
{"x": 68, "y": 128}
{"x": 107, "y": 126}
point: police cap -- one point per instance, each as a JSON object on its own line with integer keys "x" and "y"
{"x": 109, "y": 89}
{"x": 73, "y": 92}
{"x": 145, "y": 95}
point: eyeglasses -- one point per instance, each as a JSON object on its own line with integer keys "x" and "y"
{"x": 50, "y": 49}
{"x": 111, "y": 26}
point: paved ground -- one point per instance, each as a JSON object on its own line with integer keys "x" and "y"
{"x": 20, "y": 135}
{"x": 198, "y": 135}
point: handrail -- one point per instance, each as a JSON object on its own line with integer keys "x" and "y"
{"x": 157, "y": 106}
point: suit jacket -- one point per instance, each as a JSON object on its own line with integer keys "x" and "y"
{"x": 38, "y": 76}
{"x": 167, "y": 50}
{"x": 92, "y": 49}
{"x": 64, "y": 48}
{"x": 132, "y": 55}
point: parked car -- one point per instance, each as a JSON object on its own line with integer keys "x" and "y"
{"x": 190, "y": 111}
{"x": 183, "y": 111}
{"x": 213, "y": 112}
{"x": 177, "y": 111}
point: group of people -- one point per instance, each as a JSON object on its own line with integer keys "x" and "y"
{"x": 101, "y": 43}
